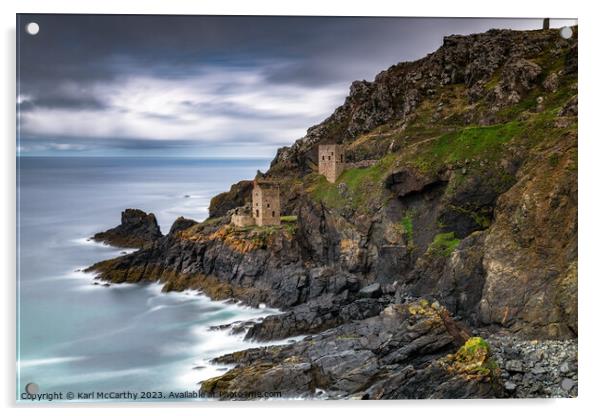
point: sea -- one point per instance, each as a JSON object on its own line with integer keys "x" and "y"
{"x": 76, "y": 339}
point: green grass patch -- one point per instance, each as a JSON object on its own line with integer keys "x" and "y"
{"x": 288, "y": 218}
{"x": 361, "y": 186}
{"x": 443, "y": 244}
{"x": 467, "y": 143}
{"x": 408, "y": 225}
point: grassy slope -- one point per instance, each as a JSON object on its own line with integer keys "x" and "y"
{"x": 431, "y": 146}
{"x": 439, "y": 139}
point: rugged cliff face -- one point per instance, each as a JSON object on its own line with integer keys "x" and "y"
{"x": 461, "y": 189}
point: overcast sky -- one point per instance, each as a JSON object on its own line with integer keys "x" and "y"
{"x": 203, "y": 86}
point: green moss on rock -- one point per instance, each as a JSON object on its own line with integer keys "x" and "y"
{"x": 473, "y": 359}
{"x": 443, "y": 244}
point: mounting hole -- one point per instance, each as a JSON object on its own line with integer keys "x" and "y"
{"x": 32, "y": 388}
{"x": 566, "y": 32}
{"x": 32, "y": 28}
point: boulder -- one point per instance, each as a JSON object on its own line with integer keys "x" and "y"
{"x": 371, "y": 291}
{"x": 137, "y": 229}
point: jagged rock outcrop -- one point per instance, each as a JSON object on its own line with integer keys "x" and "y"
{"x": 181, "y": 224}
{"x": 401, "y": 353}
{"x": 318, "y": 314}
{"x": 136, "y": 230}
{"x": 531, "y": 249}
{"x": 255, "y": 266}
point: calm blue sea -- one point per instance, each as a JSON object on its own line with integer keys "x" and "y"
{"x": 74, "y": 336}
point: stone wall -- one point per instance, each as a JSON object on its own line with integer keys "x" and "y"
{"x": 240, "y": 220}
{"x": 331, "y": 161}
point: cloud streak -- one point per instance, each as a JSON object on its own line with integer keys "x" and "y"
{"x": 219, "y": 85}
{"x": 217, "y": 104}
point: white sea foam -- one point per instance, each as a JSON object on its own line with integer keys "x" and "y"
{"x": 207, "y": 344}
{"x": 121, "y": 330}
{"x": 47, "y": 361}
{"x": 87, "y": 241}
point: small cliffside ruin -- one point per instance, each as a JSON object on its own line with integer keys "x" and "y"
{"x": 331, "y": 161}
{"x": 265, "y": 206}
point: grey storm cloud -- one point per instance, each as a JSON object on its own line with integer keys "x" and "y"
{"x": 139, "y": 82}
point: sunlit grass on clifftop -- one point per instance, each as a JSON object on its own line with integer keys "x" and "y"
{"x": 355, "y": 188}
{"x": 467, "y": 143}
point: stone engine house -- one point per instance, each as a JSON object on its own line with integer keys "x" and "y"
{"x": 266, "y": 202}
{"x": 331, "y": 161}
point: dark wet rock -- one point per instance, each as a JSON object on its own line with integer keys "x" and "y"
{"x": 530, "y": 251}
{"x": 401, "y": 353}
{"x": 457, "y": 280}
{"x": 406, "y": 181}
{"x": 316, "y": 315}
{"x": 234, "y": 327}
{"x": 215, "y": 258}
{"x": 136, "y": 230}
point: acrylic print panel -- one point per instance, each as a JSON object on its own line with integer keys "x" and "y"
{"x": 231, "y": 207}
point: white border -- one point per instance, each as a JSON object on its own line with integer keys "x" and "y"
{"x": 589, "y": 187}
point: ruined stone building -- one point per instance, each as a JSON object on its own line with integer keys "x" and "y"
{"x": 266, "y": 202}
{"x": 331, "y": 160}
{"x": 242, "y": 217}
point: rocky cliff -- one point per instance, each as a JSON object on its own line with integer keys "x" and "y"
{"x": 461, "y": 190}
